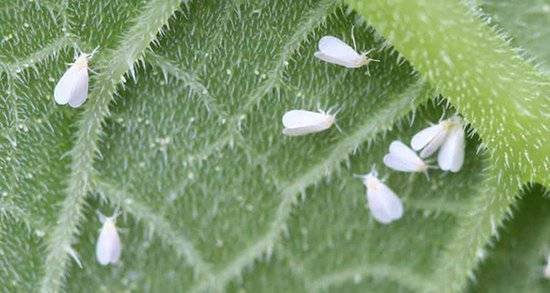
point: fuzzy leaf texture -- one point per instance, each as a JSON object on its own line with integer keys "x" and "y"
{"x": 181, "y": 134}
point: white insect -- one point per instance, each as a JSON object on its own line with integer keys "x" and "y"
{"x": 72, "y": 88}
{"x": 301, "y": 122}
{"x": 108, "y": 244}
{"x": 451, "y": 154}
{"x": 448, "y": 137}
{"x": 402, "y": 158}
{"x": 546, "y": 272}
{"x": 384, "y": 205}
{"x": 334, "y": 50}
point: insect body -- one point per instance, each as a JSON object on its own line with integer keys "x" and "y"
{"x": 448, "y": 137}
{"x": 334, "y": 50}
{"x": 384, "y": 205}
{"x": 108, "y": 244}
{"x": 301, "y": 122}
{"x": 402, "y": 158}
{"x": 72, "y": 88}
{"x": 546, "y": 271}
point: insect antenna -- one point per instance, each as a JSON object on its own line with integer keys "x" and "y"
{"x": 353, "y": 37}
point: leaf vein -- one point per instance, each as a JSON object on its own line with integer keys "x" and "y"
{"x": 311, "y": 21}
{"x": 232, "y": 134}
{"x": 189, "y": 79}
{"x": 405, "y": 277}
{"x": 157, "y": 223}
{"x": 453, "y": 208}
{"x": 47, "y": 52}
{"x": 114, "y": 66}
{"x": 306, "y": 26}
{"x": 367, "y": 131}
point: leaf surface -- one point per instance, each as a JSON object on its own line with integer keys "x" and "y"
{"x": 182, "y": 134}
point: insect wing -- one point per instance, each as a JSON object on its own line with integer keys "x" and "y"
{"x": 300, "y": 122}
{"x": 451, "y": 155}
{"x": 108, "y": 244}
{"x": 402, "y": 158}
{"x": 64, "y": 89}
{"x": 334, "y": 50}
{"x": 429, "y": 140}
{"x": 330, "y": 59}
{"x": 384, "y": 205}
{"x": 80, "y": 90}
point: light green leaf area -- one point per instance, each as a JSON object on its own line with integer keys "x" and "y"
{"x": 516, "y": 262}
{"x": 189, "y": 149}
{"x": 527, "y": 22}
{"x": 460, "y": 54}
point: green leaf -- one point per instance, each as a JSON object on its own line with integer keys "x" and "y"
{"x": 519, "y": 257}
{"x": 502, "y": 96}
{"x": 181, "y": 133}
{"x": 527, "y": 24}
{"x": 517, "y": 263}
